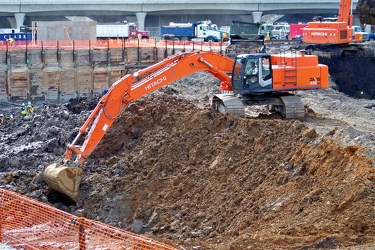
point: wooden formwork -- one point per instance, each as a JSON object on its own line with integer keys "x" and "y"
{"x": 60, "y": 70}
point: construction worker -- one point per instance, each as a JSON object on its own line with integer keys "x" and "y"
{"x": 23, "y": 110}
{"x": 10, "y": 41}
{"x": 267, "y": 36}
{"x": 1, "y": 119}
{"x": 254, "y": 68}
{"x": 44, "y": 105}
{"x": 30, "y": 109}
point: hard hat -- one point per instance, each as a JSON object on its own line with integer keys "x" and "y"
{"x": 23, "y": 104}
{"x": 1, "y": 115}
{"x": 43, "y": 102}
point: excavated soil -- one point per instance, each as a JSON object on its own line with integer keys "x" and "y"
{"x": 172, "y": 169}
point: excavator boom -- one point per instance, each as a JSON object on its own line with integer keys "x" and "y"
{"x": 65, "y": 176}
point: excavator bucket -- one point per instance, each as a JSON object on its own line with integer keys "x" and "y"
{"x": 64, "y": 178}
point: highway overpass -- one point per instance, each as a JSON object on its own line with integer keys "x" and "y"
{"x": 153, "y": 13}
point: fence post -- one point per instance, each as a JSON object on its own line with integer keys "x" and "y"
{"x": 165, "y": 50}
{"x": 155, "y": 52}
{"x": 1, "y": 222}
{"x": 81, "y": 230}
{"x": 139, "y": 53}
{"x": 173, "y": 50}
{"x": 108, "y": 54}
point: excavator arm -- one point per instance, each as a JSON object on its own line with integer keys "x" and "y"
{"x": 65, "y": 176}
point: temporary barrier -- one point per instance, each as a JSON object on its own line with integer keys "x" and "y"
{"x": 29, "y": 224}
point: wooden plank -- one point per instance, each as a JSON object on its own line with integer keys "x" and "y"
{"x": 3, "y": 84}
{"x": 19, "y": 86}
{"x": 84, "y": 81}
{"x": 36, "y": 83}
{"x": 100, "y": 80}
{"x": 51, "y": 83}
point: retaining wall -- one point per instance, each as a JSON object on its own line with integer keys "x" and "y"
{"x": 60, "y": 70}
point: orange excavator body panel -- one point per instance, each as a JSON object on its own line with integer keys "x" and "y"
{"x": 327, "y": 33}
{"x": 291, "y": 72}
{"x": 337, "y": 32}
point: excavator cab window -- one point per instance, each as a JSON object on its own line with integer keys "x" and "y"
{"x": 252, "y": 73}
{"x": 237, "y": 74}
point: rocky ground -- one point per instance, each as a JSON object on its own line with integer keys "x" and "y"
{"x": 172, "y": 169}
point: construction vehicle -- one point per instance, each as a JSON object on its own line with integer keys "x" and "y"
{"x": 277, "y": 76}
{"x": 296, "y": 31}
{"x": 120, "y": 30}
{"x": 200, "y": 30}
{"x": 336, "y": 37}
{"x": 332, "y": 32}
{"x": 251, "y": 32}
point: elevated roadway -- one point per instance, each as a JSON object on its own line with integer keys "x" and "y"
{"x": 153, "y": 13}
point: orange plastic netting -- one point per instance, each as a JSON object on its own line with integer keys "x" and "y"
{"x": 30, "y": 224}
{"x": 114, "y": 43}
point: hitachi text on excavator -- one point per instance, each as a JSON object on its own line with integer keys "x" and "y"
{"x": 329, "y": 37}
{"x": 273, "y": 83}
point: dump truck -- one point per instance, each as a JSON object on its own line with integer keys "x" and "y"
{"x": 255, "y": 32}
{"x": 195, "y": 31}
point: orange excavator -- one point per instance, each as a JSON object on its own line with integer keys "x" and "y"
{"x": 276, "y": 76}
{"x": 329, "y": 37}
{"x": 339, "y": 31}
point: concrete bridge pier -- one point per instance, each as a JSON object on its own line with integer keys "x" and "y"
{"x": 12, "y": 22}
{"x": 20, "y": 18}
{"x": 141, "y": 16}
{"x": 256, "y": 16}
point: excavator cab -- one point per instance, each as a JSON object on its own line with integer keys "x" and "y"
{"x": 252, "y": 74}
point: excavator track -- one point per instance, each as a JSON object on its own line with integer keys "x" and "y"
{"x": 224, "y": 103}
{"x": 288, "y": 106}
{"x": 292, "y": 107}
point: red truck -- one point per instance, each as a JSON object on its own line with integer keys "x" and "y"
{"x": 295, "y": 32}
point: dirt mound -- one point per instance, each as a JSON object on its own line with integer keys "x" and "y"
{"x": 172, "y": 169}
{"x": 192, "y": 177}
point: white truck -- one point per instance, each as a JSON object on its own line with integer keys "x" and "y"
{"x": 123, "y": 30}
{"x": 358, "y": 31}
{"x": 281, "y": 30}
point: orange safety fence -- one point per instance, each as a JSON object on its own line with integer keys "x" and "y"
{"x": 29, "y": 224}
{"x": 111, "y": 43}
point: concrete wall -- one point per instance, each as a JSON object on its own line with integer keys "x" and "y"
{"x": 66, "y": 30}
